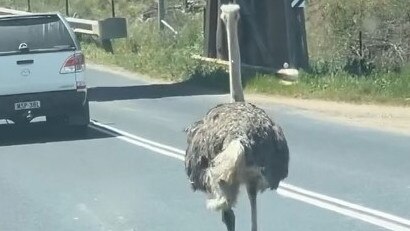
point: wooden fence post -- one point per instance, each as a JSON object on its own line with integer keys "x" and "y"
{"x": 28, "y": 6}
{"x": 185, "y": 4}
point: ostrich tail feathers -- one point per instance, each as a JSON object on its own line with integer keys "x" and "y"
{"x": 224, "y": 174}
{"x": 227, "y": 163}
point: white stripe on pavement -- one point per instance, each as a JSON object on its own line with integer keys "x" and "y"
{"x": 346, "y": 204}
{"x": 141, "y": 144}
{"x": 126, "y": 134}
{"x": 368, "y": 215}
{"x": 344, "y": 211}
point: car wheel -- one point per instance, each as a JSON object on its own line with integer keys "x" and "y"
{"x": 56, "y": 120}
{"x": 81, "y": 130}
{"x": 81, "y": 120}
{"x": 20, "y": 122}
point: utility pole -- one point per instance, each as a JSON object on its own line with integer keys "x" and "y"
{"x": 161, "y": 13}
{"x": 113, "y": 8}
{"x": 67, "y": 11}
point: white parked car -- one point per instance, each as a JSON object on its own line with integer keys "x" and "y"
{"x": 42, "y": 71}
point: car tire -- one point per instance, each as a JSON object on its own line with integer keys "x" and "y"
{"x": 82, "y": 120}
{"x": 20, "y": 122}
{"x": 56, "y": 120}
{"x": 81, "y": 130}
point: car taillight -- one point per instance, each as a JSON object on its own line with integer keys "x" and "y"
{"x": 73, "y": 64}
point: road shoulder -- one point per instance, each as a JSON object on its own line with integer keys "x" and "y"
{"x": 394, "y": 119}
{"x": 381, "y": 117}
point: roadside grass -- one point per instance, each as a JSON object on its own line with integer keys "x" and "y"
{"x": 164, "y": 55}
{"x": 393, "y": 88}
{"x": 163, "y": 60}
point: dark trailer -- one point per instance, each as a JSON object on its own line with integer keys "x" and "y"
{"x": 271, "y": 32}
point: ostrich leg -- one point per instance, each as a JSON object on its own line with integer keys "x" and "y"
{"x": 252, "y": 198}
{"x": 228, "y": 217}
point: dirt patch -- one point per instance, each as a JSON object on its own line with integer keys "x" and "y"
{"x": 386, "y": 118}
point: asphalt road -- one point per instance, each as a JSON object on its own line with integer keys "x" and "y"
{"x": 53, "y": 179}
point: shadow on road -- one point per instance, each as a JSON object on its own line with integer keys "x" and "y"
{"x": 152, "y": 91}
{"x": 40, "y": 132}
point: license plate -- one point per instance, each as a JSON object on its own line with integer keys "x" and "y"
{"x": 27, "y": 105}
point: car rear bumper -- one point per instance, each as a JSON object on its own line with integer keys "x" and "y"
{"x": 51, "y": 103}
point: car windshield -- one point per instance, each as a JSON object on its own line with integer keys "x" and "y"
{"x": 38, "y": 32}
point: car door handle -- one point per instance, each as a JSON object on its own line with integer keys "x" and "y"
{"x": 22, "y": 62}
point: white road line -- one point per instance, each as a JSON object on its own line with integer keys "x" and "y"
{"x": 141, "y": 144}
{"x": 344, "y": 211}
{"x": 138, "y": 138}
{"x": 371, "y": 216}
{"x": 345, "y": 204}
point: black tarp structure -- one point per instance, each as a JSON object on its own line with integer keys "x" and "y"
{"x": 271, "y": 32}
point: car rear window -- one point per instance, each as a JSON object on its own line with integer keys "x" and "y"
{"x": 40, "y": 33}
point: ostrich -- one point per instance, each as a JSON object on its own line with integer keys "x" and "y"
{"x": 235, "y": 144}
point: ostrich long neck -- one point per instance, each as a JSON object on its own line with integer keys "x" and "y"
{"x": 231, "y": 17}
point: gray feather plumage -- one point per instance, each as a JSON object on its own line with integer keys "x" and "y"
{"x": 264, "y": 142}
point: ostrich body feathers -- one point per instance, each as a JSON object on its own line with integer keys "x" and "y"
{"x": 235, "y": 143}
